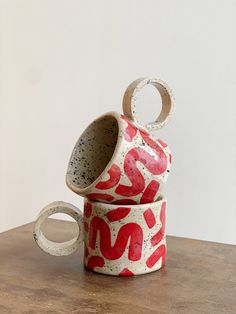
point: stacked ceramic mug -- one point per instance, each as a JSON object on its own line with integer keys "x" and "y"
{"x": 121, "y": 170}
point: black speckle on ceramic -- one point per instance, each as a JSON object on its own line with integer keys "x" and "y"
{"x": 93, "y": 152}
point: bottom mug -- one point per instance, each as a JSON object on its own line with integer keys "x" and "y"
{"x": 119, "y": 240}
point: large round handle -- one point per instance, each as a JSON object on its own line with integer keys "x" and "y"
{"x": 129, "y": 102}
{"x": 53, "y": 248}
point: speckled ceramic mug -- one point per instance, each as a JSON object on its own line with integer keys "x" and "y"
{"x": 116, "y": 160}
{"x": 118, "y": 240}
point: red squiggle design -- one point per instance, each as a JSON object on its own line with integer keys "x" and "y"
{"x": 126, "y": 273}
{"x": 159, "y": 235}
{"x": 149, "y": 218}
{"x": 161, "y": 157}
{"x": 156, "y": 255}
{"x": 161, "y": 250}
{"x": 131, "y": 129}
{"x": 87, "y": 209}
{"x": 114, "y": 173}
{"x": 95, "y": 261}
{"x": 133, "y": 173}
{"x": 125, "y": 201}
{"x": 100, "y": 196}
{"x": 118, "y": 213}
{"x": 150, "y": 192}
{"x": 131, "y": 232}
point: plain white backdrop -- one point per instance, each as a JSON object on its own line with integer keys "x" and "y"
{"x": 63, "y": 63}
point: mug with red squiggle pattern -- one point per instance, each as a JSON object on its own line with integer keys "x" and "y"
{"x": 116, "y": 159}
{"x": 119, "y": 240}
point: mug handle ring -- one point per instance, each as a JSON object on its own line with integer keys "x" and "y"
{"x": 54, "y": 248}
{"x": 129, "y": 102}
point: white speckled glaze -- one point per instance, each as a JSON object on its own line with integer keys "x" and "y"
{"x": 121, "y": 170}
{"x": 116, "y": 160}
{"x": 118, "y": 240}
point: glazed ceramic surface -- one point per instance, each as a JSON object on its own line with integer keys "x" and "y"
{"x": 118, "y": 240}
{"x": 116, "y": 160}
{"x": 120, "y": 169}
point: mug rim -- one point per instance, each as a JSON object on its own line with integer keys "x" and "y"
{"x": 160, "y": 199}
{"x": 69, "y": 182}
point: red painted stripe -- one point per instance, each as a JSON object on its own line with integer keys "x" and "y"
{"x": 161, "y": 157}
{"x": 100, "y": 197}
{"x": 87, "y": 209}
{"x": 126, "y": 273}
{"x": 159, "y": 235}
{"x": 156, "y": 255}
{"x": 150, "y": 192}
{"x": 130, "y": 131}
{"x": 118, "y": 213}
{"x": 149, "y": 218}
{"x": 130, "y": 233}
{"x": 136, "y": 178}
{"x": 114, "y": 179}
{"x": 95, "y": 261}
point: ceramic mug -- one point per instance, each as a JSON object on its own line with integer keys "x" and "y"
{"x": 116, "y": 159}
{"x": 118, "y": 240}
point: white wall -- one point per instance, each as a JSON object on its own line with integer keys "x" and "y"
{"x": 65, "y": 62}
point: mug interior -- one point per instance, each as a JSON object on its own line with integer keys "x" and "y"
{"x": 92, "y": 152}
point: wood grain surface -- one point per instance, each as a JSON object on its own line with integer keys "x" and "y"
{"x": 199, "y": 277}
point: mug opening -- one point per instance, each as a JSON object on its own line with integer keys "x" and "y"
{"x": 92, "y": 152}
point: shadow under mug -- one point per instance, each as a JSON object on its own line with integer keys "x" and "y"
{"x": 116, "y": 160}
{"x": 118, "y": 240}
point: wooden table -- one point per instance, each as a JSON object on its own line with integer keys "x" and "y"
{"x": 199, "y": 277}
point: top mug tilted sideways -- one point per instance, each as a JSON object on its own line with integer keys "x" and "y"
{"x": 116, "y": 159}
